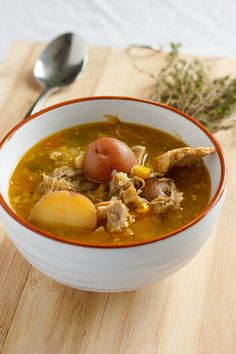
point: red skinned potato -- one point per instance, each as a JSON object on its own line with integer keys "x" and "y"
{"x": 104, "y": 155}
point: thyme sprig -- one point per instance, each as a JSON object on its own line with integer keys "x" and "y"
{"x": 186, "y": 85}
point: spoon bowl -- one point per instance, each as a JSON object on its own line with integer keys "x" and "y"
{"x": 60, "y": 63}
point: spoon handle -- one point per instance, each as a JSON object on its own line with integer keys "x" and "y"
{"x": 39, "y": 101}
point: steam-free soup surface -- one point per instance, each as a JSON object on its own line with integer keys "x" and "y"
{"x": 60, "y": 149}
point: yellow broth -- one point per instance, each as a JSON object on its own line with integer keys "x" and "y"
{"x": 193, "y": 181}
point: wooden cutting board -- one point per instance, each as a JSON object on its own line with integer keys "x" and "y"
{"x": 191, "y": 312}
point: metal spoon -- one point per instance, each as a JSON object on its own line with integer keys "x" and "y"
{"x": 58, "y": 65}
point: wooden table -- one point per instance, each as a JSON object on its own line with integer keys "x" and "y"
{"x": 191, "y": 312}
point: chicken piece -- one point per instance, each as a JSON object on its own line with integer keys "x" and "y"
{"x": 66, "y": 178}
{"x": 64, "y": 171}
{"x": 130, "y": 195}
{"x": 180, "y": 157}
{"x": 52, "y": 184}
{"x": 140, "y": 153}
{"x": 99, "y": 229}
{"x": 58, "y": 180}
{"x": 166, "y": 196}
{"x": 116, "y": 215}
{"x": 118, "y": 182}
{"x": 125, "y": 188}
{"x": 138, "y": 182}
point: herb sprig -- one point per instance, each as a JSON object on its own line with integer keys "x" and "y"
{"x": 186, "y": 85}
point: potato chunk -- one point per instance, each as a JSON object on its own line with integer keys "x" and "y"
{"x": 65, "y": 208}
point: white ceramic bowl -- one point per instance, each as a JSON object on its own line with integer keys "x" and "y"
{"x": 98, "y": 268}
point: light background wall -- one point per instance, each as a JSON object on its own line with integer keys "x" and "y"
{"x": 204, "y": 26}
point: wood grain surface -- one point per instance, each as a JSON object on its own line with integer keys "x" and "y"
{"x": 191, "y": 312}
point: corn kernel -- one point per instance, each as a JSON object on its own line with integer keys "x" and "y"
{"x": 141, "y": 171}
{"x": 142, "y": 208}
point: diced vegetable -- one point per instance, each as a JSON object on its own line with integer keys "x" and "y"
{"x": 78, "y": 161}
{"x": 55, "y": 155}
{"x": 142, "y": 208}
{"x": 141, "y": 171}
{"x": 65, "y": 208}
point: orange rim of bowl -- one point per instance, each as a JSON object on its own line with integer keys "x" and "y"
{"x": 214, "y": 201}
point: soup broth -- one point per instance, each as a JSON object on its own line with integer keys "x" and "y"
{"x": 62, "y": 148}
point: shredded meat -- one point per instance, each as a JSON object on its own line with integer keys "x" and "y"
{"x": 138, "y": 182}
{"x": 130, "y": 195}
{"x": 167, "y": 196}
{"x": 52, "y": 184}
{"x": 180, "y": 157}
{"x": 66, "y": 178}
{"x": 116, "y": 215}
{"x": 99, "y": 229}
{"x": 118, "y": 182}
{"x": 64, "y": 171}
{"x": 125, "y": 188}
{"x": 139, "y": 152}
